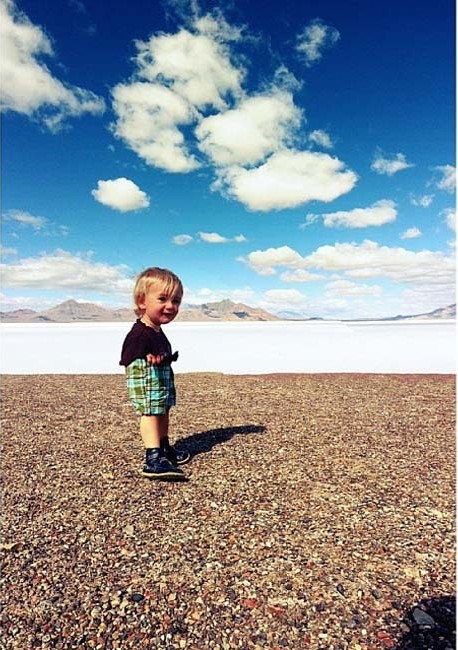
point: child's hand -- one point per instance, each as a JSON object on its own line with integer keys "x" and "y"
{"x": 154, "y": 359}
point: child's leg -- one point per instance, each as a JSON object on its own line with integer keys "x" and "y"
{"x": 164, "y": 426}
{"x": 177, "y": 457}
{"x": 153, "y": 428}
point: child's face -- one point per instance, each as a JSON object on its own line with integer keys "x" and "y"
{"x": 160, "y": 308}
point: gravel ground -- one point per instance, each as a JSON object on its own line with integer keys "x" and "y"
{"x": 319, "y": 513}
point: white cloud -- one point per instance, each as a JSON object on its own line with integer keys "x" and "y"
{"x": 216, "y": 238}
{"x": 120, "y": 194}
{"x": 182, "y": 240}
{"x": 204, "y": 295}
{"x": 448, "y": 181}
{"x": 422, "y": 201}
{"x": 419, "y": 300}
{"x": 197, "y": 66}
{"x": 362, "y": 261}
{"x": 6, "y": 251}
{"x": 41, "y": 225}
{"x": 264, "y": 262}
{"x": 24, "y": 218}
{"x": 278, "y": 298}
{"x": 28, "y": 87}
{"x": 284, "y": 79}
{"x": 411, "y": 233}
{"x": 390, "y": 166}
{"x": 300, "y": 275}
{"x": 347, "y": 288}
{"x": 148, "y": 116}
{"x": 64, "y": 270}
{"x": 245, "y": 135}
{"x": 321, "y": 138}
{"x": 286, "y": 180}
{"x": 378, "y": 214}
{"x": 449, "y": 216}
{"x": 369, "y": 259}
{"x": 315, "y": 38}
{"x": 12, "y": 303}
{"x": 213, "y": 238}
{"x": 208, "y": 238}
{"x": 185, "y": 104}
{"x": 176, "y": 76}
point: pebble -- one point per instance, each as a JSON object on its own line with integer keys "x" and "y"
{"x": 422, "y": 618}
{"x": 137, "y": 598}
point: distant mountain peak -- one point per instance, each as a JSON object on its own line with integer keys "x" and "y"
{"x": 72, "y": 311}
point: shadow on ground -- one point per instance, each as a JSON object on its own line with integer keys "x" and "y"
{"x": 432, "y": 625}
{"x": 201, "y": 443}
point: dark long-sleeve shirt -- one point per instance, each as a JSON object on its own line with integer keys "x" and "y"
{"x": 143, "y": 340}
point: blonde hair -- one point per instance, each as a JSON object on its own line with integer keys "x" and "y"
{"x": 155, "y": 277}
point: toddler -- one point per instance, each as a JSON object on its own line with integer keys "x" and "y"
{"x": 147, "y": 357}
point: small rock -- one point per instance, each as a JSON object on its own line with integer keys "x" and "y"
{"x": 422, "y": 618}
{"x": 137, "y": 598}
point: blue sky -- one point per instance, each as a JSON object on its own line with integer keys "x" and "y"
{"x": 298, "y": 156}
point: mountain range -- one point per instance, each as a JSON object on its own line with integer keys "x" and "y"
{"x": 72, "y": 311}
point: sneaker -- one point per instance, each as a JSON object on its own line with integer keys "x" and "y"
{"x": 161, "y": 468}
{"x": 177, "y": 457}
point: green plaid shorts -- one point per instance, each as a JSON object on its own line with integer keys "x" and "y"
{"x": 151, "y": 388}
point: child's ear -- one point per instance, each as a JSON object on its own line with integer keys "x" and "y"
{"x": 141, "y": 302}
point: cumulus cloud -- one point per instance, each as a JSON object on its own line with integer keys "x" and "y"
{"x": 185, "y": 106}
{"x": 314, "y": 39}
{"x": 216, "y": 238}
{"x": 176, "y": 76}
{"x": 276, "y": 298}
{"x": 286, "y": 180}
{"x": 28, "y": 86}
{"x": 390, "y": 166}
{"x": 182, "y": 240}
{"x": 300, "y": 275}
{"x": 369, "y": 259}
{"x": 196, "y": 65}
{"x": 213, "y": 238}
{"x": 448, "y": 181}
{"x": 208, "y": 238}
{"x": 449, "y": 216}
{"x": 245, "y": 135}
{"x": 423, "y": 201}
{"x": 411, "y": 233}
{"x": 64, "y": 270}
{"x": 264, "y": 262}
{"x": 348, "y": 288}
{"x": 120, "y": 194}
{"x": 205, "y": 295}
{"x": 321, "y": 138}
{"x": 362, "y": 261}
{"x": 378, "y": 214}
{"x": 148, "y": 117}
